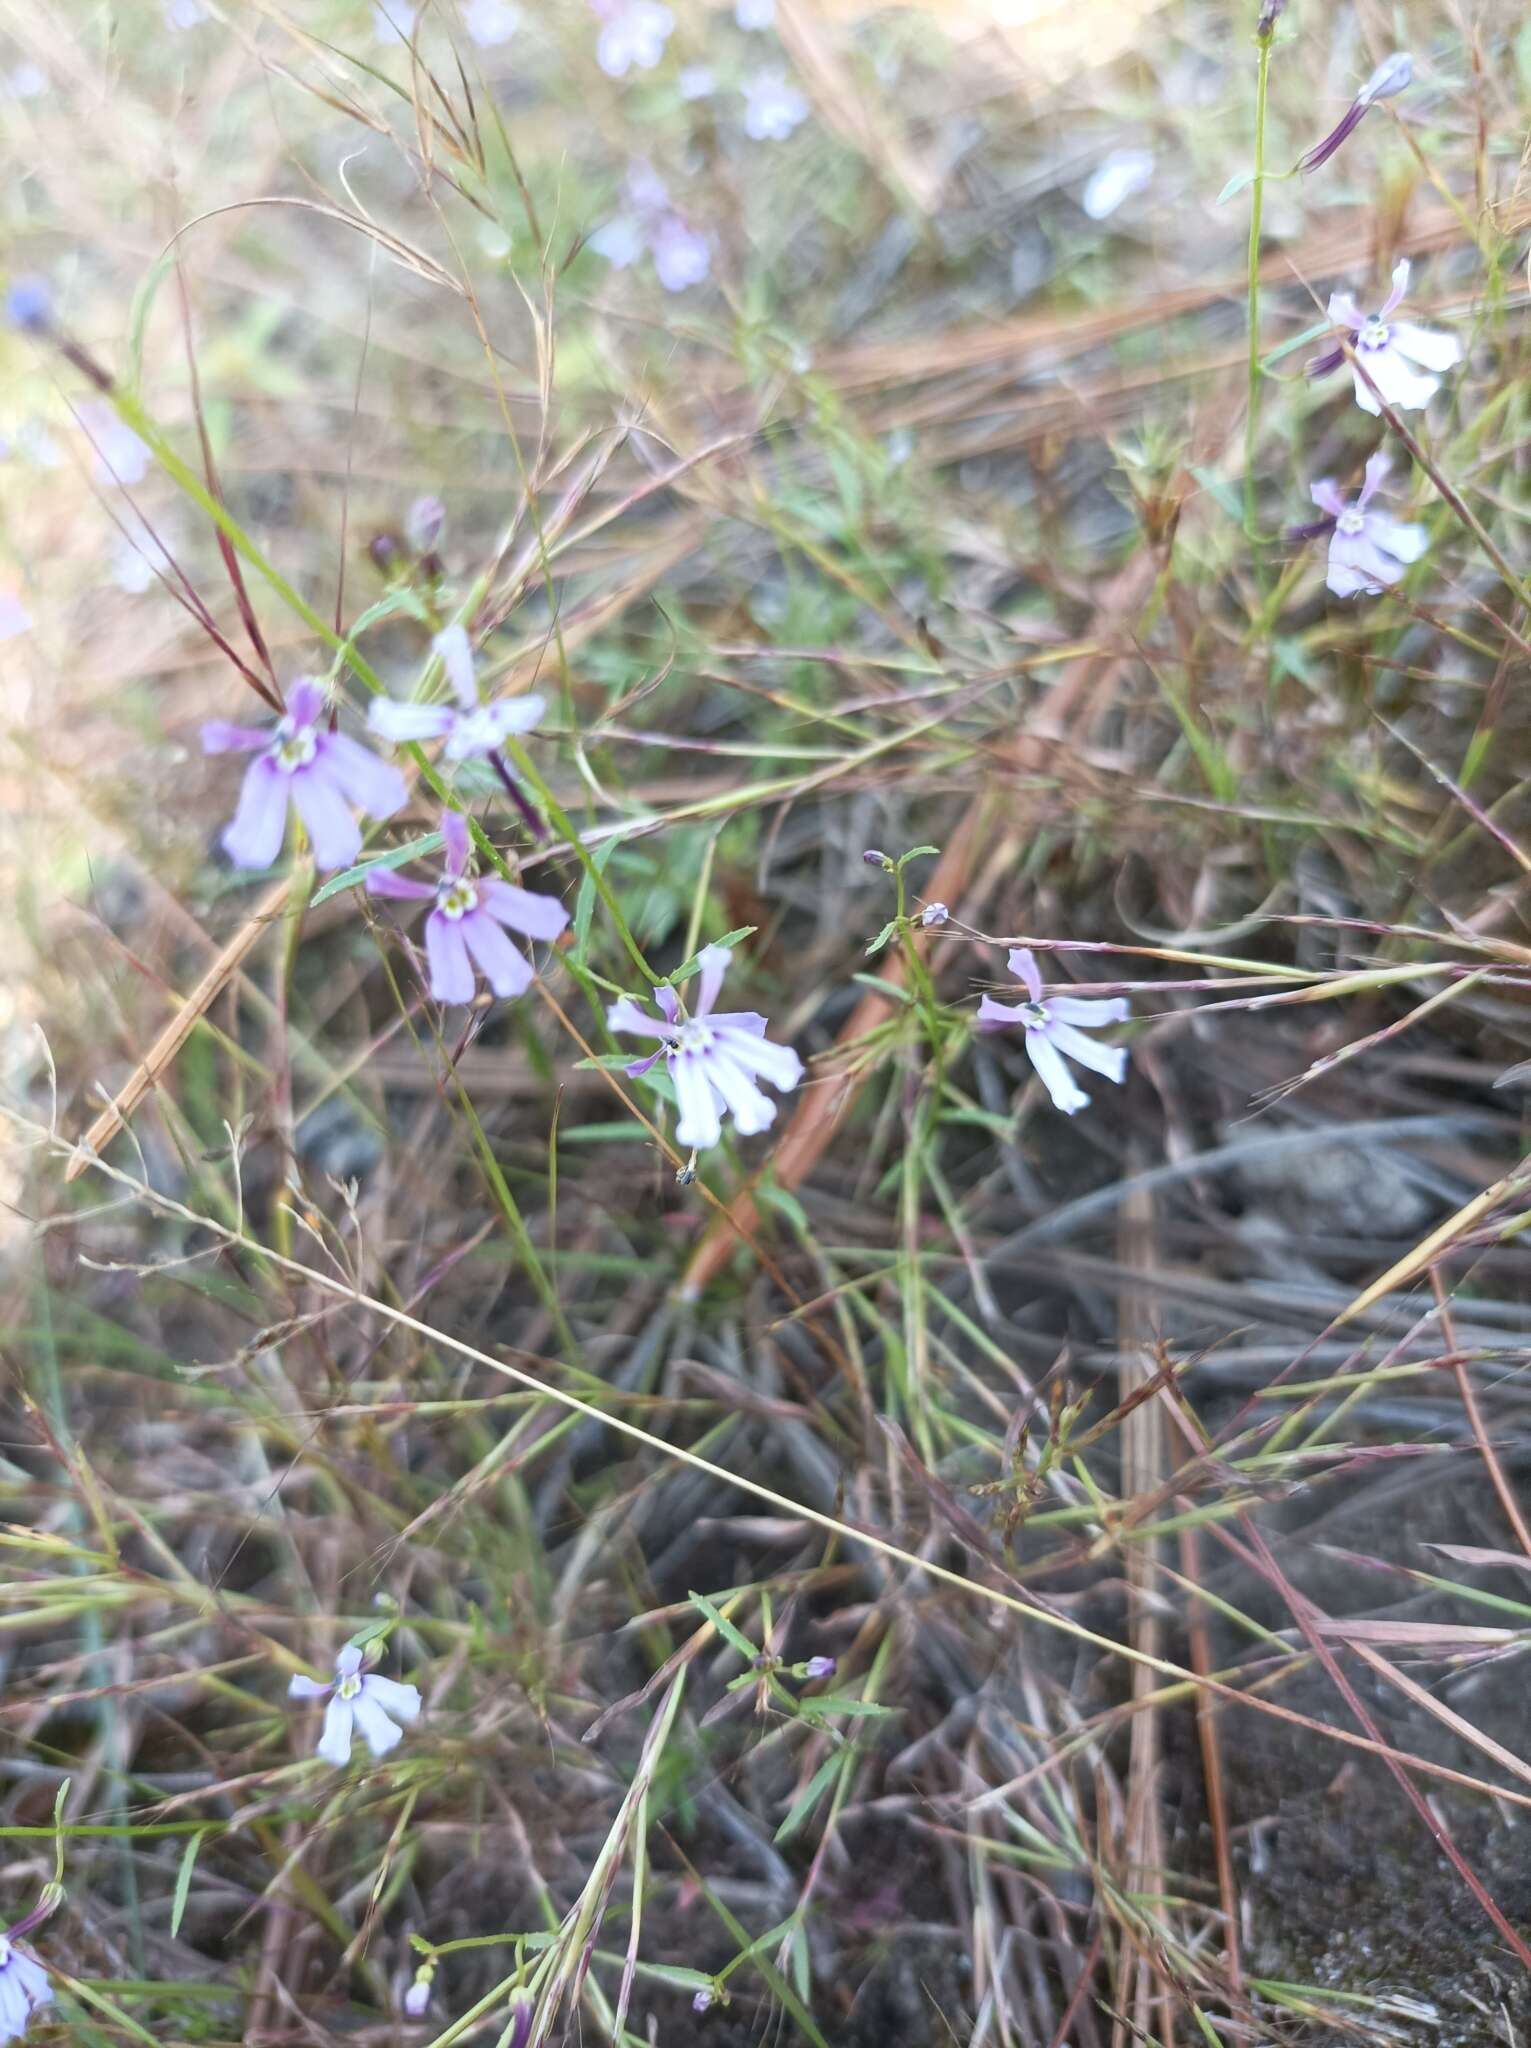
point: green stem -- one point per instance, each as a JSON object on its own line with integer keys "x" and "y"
{"x": 1256, "y": 216}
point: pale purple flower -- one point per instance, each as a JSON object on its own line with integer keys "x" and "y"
{"x": 26, "y": 82}
{"x": 819, "y": 1667}
{"x": 120, "y": 456}
{"x": 24, "y": 1982}
{"x": 696, "y": 81}
{"x": 358, "y": 1699}
{"x": 417, "y": 1997}
{"x": 15, "y": 619}
{"x": 490, "y": 23}
{"x": 773, "y": 106}
{"x": 1390, "y": 76}
{"x": 633, "y": 35}
{"x": 755, "y": 14}
{"x": 1055, "y": 1029}
{"x": 468, "y": 727}
{"x": 713, "y": 1058}
{"x": 322, "y": 773}
{"x": 1395, "y": 354}
{"x": 1123, "y": 174}
{"x": 466, "y": 922}
{"x": 648, "y": 223}
{"x": 934, "y": 914}
{"x": 184, "y": 14}
{"x": 704, "y": 2000}
{"x": 1367, "y": 550}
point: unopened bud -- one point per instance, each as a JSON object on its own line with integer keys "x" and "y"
{"x": 418, "y": 1997}
{"x": 934, "y": 913}
{"x": 874, "y": 859}
{"x": 819, "y": 1667}
{"x": 384, "y": 550}
{"x": 704, "y": 2000}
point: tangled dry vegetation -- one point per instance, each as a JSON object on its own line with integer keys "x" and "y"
{"x": 1153, "y": 1478}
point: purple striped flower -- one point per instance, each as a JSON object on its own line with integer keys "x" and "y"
{"x": 714, "y": 1059}
{"x": 466, "y": 924}
{"x": 358, "y": 1699}
{"x": 1055, "y": 1029}
{"x": 322, "y": 773}
{"x": 1403, "y": 361}
{"x": 468, "y": 727}
{"x": 1367, "y": 550}
{"x": 24, "y": 1982}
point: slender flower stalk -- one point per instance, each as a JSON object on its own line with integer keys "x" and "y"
{"x": 1264, "y": 32}
{"x": 358, "y": 1699}
{"x": 714, "y": 1058}
{"x": 467, "y": 926}
{"x": 1055, "y": 1028}
{"x": 321, "y": 774}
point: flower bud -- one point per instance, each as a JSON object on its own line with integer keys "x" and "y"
{"x": 418, "y": 1996}
{"x": 819, "y": 1667}
{"x": 934, "y": 913}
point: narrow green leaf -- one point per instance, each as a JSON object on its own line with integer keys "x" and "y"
{"x": 397, "y": 857}
{"x": 183, "y": 1881}
{"x": 724, "y": 1626}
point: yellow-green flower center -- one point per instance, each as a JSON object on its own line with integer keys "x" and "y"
{"x": 348, "y": 1687}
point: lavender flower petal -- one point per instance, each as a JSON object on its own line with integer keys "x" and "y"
{"x": 508, "y": 972}
{"x": 378, "y": 1732}
{"x": 1110, "y": 1060}
{"x": 535, "y": 917}
{"x": 699, "y": 1125}
{"x": 1054, "y": 1075}
{"x": 219, "y": 737}
{"x": 447, "y": 953}
{"x": 400, "y": 722}
{"x": 334, "y": 1745}
{"x": 253, "y": 836}
{"x": 370, "y": 784}
{"x": 333, "y": 833}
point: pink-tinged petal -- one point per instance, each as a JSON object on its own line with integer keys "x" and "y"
{"x": 456, "y": 839}
{"x": 334, "y": 1745}
{"x": 219, "y": 737}
{"x": 1344, "y": 312}
{"x": 699, "y": 1125}
{"x": 669, "y": 1003}
{"x": 1377, "y": 466}
{"x": 388, "y": 882}
{"x": 752, "y": 1111}
{"x": 535, "y": 917}
{"x": 712, "y": 965}
{"x": 1328, "y": 497}
{"x": 997, "y": 1016}
{"x": 305, "y": 701}
{"x": 451, "y": 970}
{"x": 1110, "y": 1060}
{"x": 253, "y": 837}
{"x": 378, "y": 1732}
{"x": 402, "y": 1701}
{"x": 1022, "y": 963}
{"x": 1394, "y": 298}
{"x": 1400, "y": 537}
{"x": 1054, "y": 1075}
{"x": 1430, "y": 346}
{"x": 1091, "y": 1012}
{"x": 625, "y": 1015}
{"x": 778, "y": 1064}
{"x": 301, "y": 1688}
{"x": 333, "y": 833}
{"x": 456, "y": 651}
{"x": 376, "y": 788}
{"x": 508, "y": 972}
{"x": 515, "y": 714}
{"x": 400, "y": 722}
